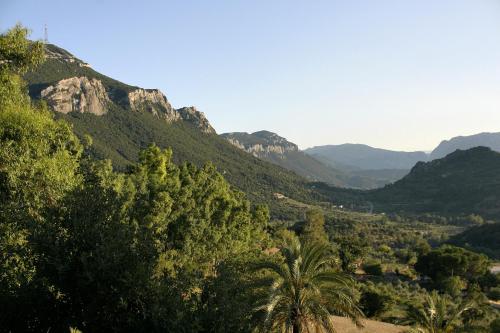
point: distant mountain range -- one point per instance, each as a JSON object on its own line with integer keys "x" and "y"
{"x": 463, "y": 182}
{"x": 382, "y": 166}
{"x": 275, "y": 149}
{"x": 349, "y": 165}
{"x": 490, "y": 140}
{"x": 362, "y": 157}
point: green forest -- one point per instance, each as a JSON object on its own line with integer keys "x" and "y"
{"x": 168, "y": 245}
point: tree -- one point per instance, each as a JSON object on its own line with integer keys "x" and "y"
{"x": 39, "y": 159}
{"x": 303, "y": 291}
{"x": 438, "y": 314}
{"x": 314, "y": 227}
{"x": 447, "y": 261}
{"x": 351, "y": 250}
{"x": 17, "y": 56}
{"x": 375, "y": 302}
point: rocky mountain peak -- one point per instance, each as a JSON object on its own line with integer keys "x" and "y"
{"x": 197, "y": 118}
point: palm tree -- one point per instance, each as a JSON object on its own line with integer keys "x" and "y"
{"x": 303, "y": 292}
{"x": 439, "y": 314}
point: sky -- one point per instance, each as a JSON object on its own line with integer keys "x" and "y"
{"x": 393, "y": 74}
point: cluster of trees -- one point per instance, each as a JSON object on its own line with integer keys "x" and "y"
{"x": 82, "y": 245}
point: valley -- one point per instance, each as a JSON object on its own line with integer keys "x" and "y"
{"x": 122, "y": 213}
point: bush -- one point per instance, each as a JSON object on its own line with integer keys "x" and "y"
{"x": 375, "y": 303}
{"x": 494, "y": 294}
{"x": 453, "y": 285}
{"x": 374, "y": 268}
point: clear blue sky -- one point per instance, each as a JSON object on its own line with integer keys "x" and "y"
{"x": 394, "y": 74}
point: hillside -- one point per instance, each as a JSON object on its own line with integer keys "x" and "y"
{"x": 122, "y": 119}
{"x": 490, "y": 140}
{"x": 484, "y": 238}
{"x": 462, "y": 182}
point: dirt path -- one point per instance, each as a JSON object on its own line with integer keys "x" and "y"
{"x": 345, "y": 325}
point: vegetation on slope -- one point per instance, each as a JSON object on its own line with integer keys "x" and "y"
{"x": 462, "y": 182}
{"x": 483, "y": 238}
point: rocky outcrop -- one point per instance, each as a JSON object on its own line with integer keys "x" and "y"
{"x": 197, "y": 118}
{"x": 261, "y": 144}
{"x": 153, "y": 101}
{"x": 77, "y": 94}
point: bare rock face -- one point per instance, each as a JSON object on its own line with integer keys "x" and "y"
{"x": 197, "y": 118}
{"x": 261, "y": 144}
{"x": 77, "y": 94}
{"x": 81, "y": 94}
{"x": 153, "y": 101}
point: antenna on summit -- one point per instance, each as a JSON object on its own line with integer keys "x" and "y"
{"x": 46, "y": 35}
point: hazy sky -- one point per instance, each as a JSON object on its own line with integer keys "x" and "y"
{"x": 395, "y": 74}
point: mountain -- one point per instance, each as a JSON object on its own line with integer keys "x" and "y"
{"x": 273, "y": 148}
{"x": 122, "y": 119}
{"x": 380, "y": 165}
{"x": 491, "y": 140}
{"x": 465, "y": 181}
{"x": 483, "y": 238}
{"x": 276, "y": 149}
{"x": 363, "y": 157}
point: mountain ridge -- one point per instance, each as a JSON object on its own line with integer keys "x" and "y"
{"x": 486, "y": 139}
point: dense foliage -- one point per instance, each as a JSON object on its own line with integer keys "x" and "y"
{"x": 88, "y": 247}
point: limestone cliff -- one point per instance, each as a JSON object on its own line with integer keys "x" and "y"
{"x": 153, "y": 101}
{"x": 261, "y": 144}
{"x": 197, "y": 118}
{"x": 69, "y": 85}
{"x": 77, "y": 94}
